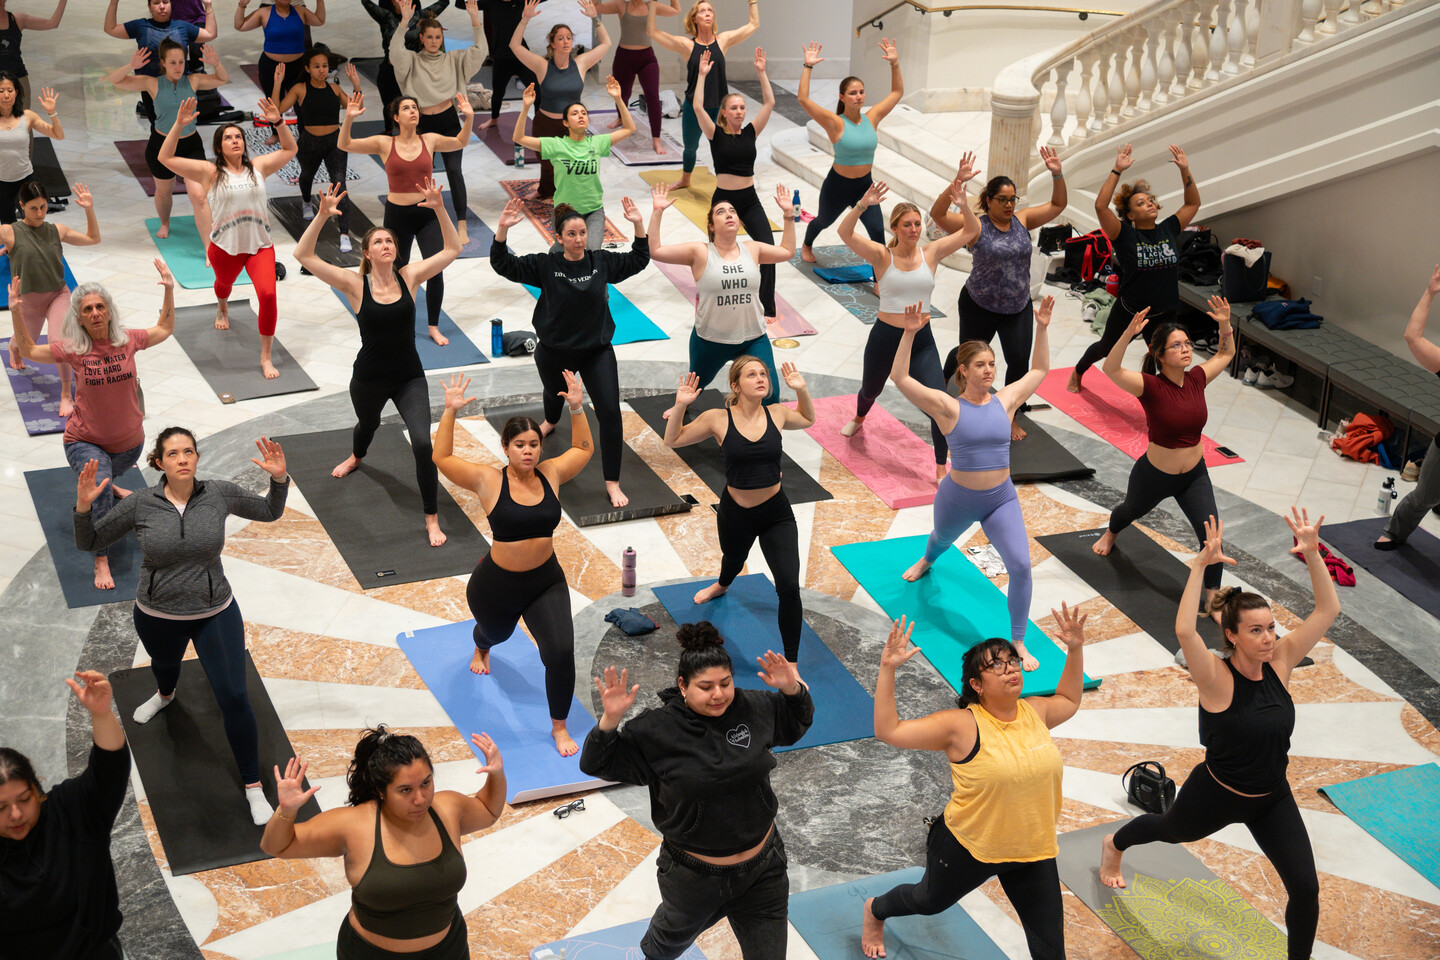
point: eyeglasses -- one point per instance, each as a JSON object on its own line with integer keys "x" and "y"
{"x": 1008, "y": 201}
{"x": 1002, "y": 667}
{"x": 1181, "y": 344}
{"x": 564, "y": 811}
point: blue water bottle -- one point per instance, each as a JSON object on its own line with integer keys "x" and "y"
{"x": 795, "y": 202}
{"x": 497, "y": 338}
{"x": 519, "y": 155}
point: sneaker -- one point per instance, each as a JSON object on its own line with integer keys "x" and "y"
{"x": 1411, "y": 471}
{"x": 1252, "y": 374}
{"x": 307, "y": 211}
{"x": 344, "y": 243}
{"x": 1272, "y": 380}
{"x": 1202, "y": 345}
{"x": 279, "y": 271}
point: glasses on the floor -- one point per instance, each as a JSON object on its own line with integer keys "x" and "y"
{"x": 1180, "y": 344}
{"x": 565, "y": 810}
{"x": 1004, "y": 666}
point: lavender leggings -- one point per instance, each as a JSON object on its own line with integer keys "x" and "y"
{"x": 630, "y": 64}
{"x": 998, "y": 510}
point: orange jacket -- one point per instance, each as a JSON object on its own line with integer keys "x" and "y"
{"x": 1361, "y": 436}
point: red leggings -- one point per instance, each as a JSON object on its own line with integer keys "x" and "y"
{"x": 260, "y": 265}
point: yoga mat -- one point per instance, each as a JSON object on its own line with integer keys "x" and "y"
{"x": 704, "y": 458}
{"x": 361, "y": 129}
{"x": 694, "y": 201}
{"x": 584, "y": 497}
{"x": 460, "y": 352}
{"x": 631, "y": 325}
{"x": 1142, "y": 579}
{"x": 133, "y": 153}
{"x": 829, "y": 920}
{"x": 255, "y": 138}
{"x": 374, "y": 516}
{"x": 53, "y": 492}
{"x": 37, "y": 392}
{"x": 884, "y": 454}
{"x": 1112, "y": 414}
{"x": 541, "y": 213}
{"x": 954, "y": 606}
{"x": 1040, "y": 458}
{"x": 289, "y": 213}
{"x": 194, "y": 789}
{"x": 70, "y": 280}
{"x": 229, "y": 360}
{"x": 745, "y": 617}
{"x": 859, "y": 299}
{"x": 1413, "y": 568}
{"x": 47, "y": 168}
{"x": 509, "y": 705}
{"x": 860, "y": 273}
{"x": 497, "y": 138}
{"x": 1401, "y": 809}
{"x": 616, "y": 943}
{"x": 185, "y": 254}
{"x": 1173, "y": 907}
{"x": 638, "y": 150}
{"x": 788, "y": 323}
{"x": 480, "y": 235}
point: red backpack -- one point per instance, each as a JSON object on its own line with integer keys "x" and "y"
{"x": 1088, "y": 254}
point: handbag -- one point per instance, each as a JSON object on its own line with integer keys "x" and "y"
{"x": 1147, "y": 786}
{"x": 1053, "y": 237}
{"x": 1242, "y": 284}
{"x": 1088, "y": 254}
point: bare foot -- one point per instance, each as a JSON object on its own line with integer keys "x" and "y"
{"x": 1074, "y": 385}
{"x": 492, "y": 122}
{"x": 120, "y": 492}
{"x": 546, "y": 428}
{"x": 872, "y": 932}
{"x": 103, "y": 580}
{"x": 1017, "y": 432}
{"x": 710, "y": 592}
{"x": 17, "y": 362}
{"x": 1104, "y": 544}
{"x": 617, "y": 496}
{"x": 439, "y": 337}
{"x": 272, "y": 140}
{"x": 659, "y": 146}
{"x": 808, "y": 256}
{"x": 268, "y": 368}
{"x": 164, "y": 231}
{"x": 346, "y": 466}
{"x": 222, "y": 316}
{"x": 682, "y": 184}
{"x": 480, "y": 663}
{"x": 67, "y": 407}
{"x": 918, "y": 570}
{"x": 563, "y": 741}
{"x": 432, "y": 529}
{"x": 853, "y": 427}
{"x": 1110, "y": 863}
{"x": 464, "y": 232}
{"x": 613, "y": 124}
{"x": 1026, "y": 660}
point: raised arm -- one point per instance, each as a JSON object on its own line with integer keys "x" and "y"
{"x": 937, "y": 250}
{"x": 803, "y": 416}
{"x": 482, "y": 479}
{"x": 767, "y": 94}
{"x": 28, "y": 21}
{"x": 165, "y": 322}
{"x": 785, "y": 249}
{"x": 532, "y": 269}
{"x": 525, "y": 55}
{"x": 466, "y": 111}
{"x": 519, "y": 135}
{"x": 354, "y": 108}
{"x": 321, "y": 836}
{"x": 1426, "y": 353}
{"x": 627, "y": 122}
{"x": 1014, "y": 395}
{"x": 669, "y": 41}
{"x": 1295, "y": 645}
{"x": 218, "y": 75}
{"x": 1109, "y": 222}
{"x": 94, "y": 693}
{"x": 702, "y": 117}
{"x": 1205, "y": 669}
{"x": 112, "y": 25}
{"x": 243, "y": 21}
{"x": 601, "y": 47}
{"x": 484, "y": 807}
{"x": 936, "y": 404}
{"x": 313, "y": 18}
{"x": 678, "y": 433}
{"x": 1225, "y": 352}
{"x": 24, "y": 346}
{"x": 897, "y": 85}
{"x": 951, "y": 731}
{"x": 92, "y": 534}
{"x": 682, "y": 253}
{"x": 1114, "y": 366}
{"x": 729, "y": 38}
{"x": 268, "y": 163}
{"x": 954, "y": 195}
{"x": 417, "y": 273}
{"x": 833, "y": 123}
{"x": 1032, "y": 217}
{"x": 568, "y": 464}
{"x": 91, "y": 236}
{"x": 1191, "y": 202}
{"x": 345, "y": 281}
{"x": 126, "y": 78}
{"x": 49, "y": 127}
{"x": 876, "y": 254}
{"x": 1061, "y": 706}
{"x": 210, "y": 31}
{"x": 200, "y": 171}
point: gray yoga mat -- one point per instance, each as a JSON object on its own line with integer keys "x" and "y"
{"x": 47, "y": 168}
{"x": 1412, "y": 570}
{"x": 374, "y": 516}
{"x": 53, "y": 492}
{"x": 1040, "y": 458}
{"x": 229, "y": 360}
{"x": 584, "y": 497}
{"x": 290, "y": 212}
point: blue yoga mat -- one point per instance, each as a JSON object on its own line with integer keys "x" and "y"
{"x": 184, "y": 254}
{"x": 829, "y": 920}
{"x": 1401, "y": 809}
{"x": 53, "y": 492}
{"x": 461, "y": 352}
{"x": 745, "y": 617}
{"x": 616, "y": 943}
{"x": 70, "y": 280}
{"x": 630, "y": 324}
{"x": 954, "y": 607}
{"x": 509, "y": 705}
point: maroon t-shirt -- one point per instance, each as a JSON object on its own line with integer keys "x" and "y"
{"x": 1175, "y": 415}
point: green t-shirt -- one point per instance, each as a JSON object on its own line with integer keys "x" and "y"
{"x": 577, "y": 170}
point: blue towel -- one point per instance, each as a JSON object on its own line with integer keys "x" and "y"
{"x": 1286, "y": 314}
{"x": 632, "y": 621}
{"x": 860, "y": 273}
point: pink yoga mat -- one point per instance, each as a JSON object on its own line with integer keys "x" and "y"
{"x": 1112, "y": 414}
{"x": 787, "y": 324}
{"x": 884, "y": 454}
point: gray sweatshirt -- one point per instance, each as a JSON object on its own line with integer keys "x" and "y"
{"x": 181, "y": 573}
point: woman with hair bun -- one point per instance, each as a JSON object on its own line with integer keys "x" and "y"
{"x": 395, "y": 821}
{"x": 1246, "y": 718}
{"x": 520, "y": 576}
{"x": 705, "y": 755}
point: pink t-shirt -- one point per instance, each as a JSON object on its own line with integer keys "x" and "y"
{"x": 107, "y": 402}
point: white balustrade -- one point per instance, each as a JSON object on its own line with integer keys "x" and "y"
{"x": 1200, "y": 46}
{"x": 1309, "y": 17}
{"x": 1132, "y": 73}
{"x": 1147, "y": 69}
{"x": 1330, "y": 25}
{"x": 1179, "y": 87}
{"x": 1058, "y": 112}
{"x": 1116, "y": 86}
{"x": 1351, "y": 17}
{"x": 1102, "y": 88}
{"x": 1219, "y": 46}
{"x": 1252, "y": 33}
{"x": 1236, "y": 39}
{"x": 1164, "y": 62}
{"x": 1082, "y": 96}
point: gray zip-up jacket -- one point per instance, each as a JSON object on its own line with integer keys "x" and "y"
{"x": 181, "y": 572}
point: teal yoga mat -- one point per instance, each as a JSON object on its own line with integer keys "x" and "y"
{"x": 1401, "y": 809}
{"x": 185, "y": 255}
{"x": 954, "y": 607}
{"x": 630, "y": 324}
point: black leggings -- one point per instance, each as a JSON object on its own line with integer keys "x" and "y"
{"x": 773, "y": 523}
{"x": 752, "y": 214}
{"x": 1204, "y": 806}
{"x": 447, "y": 124}
{"x": 504, "y": 69}
{"x": 1017, "y": 332}
{"x": 838, "y": 194}
{"x": 389, "y": 89}
{"x": 418, "y": 224}
{"x": 951, "y": 872}
{"x": 1121, "y": 313}
{"x": 601, "y": 377}
{"x": 412, "y": 399}
{"x": 498, "y": 598}
{"x": 1191, "y": 490}
{"x": 294, "y": 72}
{"x": 880, "y": 349}
{"x": 350, "y": 945}
{"x": 220, "y": 645}
{"x": 315, "y": 151}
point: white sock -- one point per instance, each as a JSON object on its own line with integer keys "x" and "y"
{"x": 260, "y": 809}
{"x": 147, "y": 710}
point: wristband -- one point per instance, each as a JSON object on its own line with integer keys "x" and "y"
{"x": 576, "y": 411}
{"x": 283, "y": 817}
{"x": 1057, "y": 176}
{"x": 1116, "y": 172}
{"x": 807, "y": 66}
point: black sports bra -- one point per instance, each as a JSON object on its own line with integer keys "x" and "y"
{"x": 409, "y": 900}
{"x": 751, "y": 464}
{"x": 511, "y": 521}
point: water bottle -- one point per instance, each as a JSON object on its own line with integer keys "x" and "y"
{"x": 795, "y": 202}
{"x": 627, "y": 572}
{"x": 519, "y": 155}
{"x": 1387, "y": 496}
{"x": 497, "y": 338}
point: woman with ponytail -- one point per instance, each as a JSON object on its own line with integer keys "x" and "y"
{"x": 705, "y": 754}
{"x": 395, "y": 820}
{"x": 1246, "y": 718}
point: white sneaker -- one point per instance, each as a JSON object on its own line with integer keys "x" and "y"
{"x": 344, "y": 243}
{"x": 1271, "y": 380}
{"x": 1252, "y": 374}
{"x": 307, "y": 211}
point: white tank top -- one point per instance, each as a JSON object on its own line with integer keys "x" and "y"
{"x": 241, "y": 211}
{"x": 727, "y": 299}
{"x": 900, "y": 288}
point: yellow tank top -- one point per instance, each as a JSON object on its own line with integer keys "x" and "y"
{"x": 1007, "y": 797}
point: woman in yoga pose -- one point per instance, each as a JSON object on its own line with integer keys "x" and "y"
{"x": 520, "y": 577}
{"x": 1000, "y": 821}
{"x": 1246, "y": 718}
{"x": 753, "y": 505}
{"x": 1426, "y": 494}
{"x": 11, "y": 61}
{"x": 635, "y": 57}
{"x": 382, "y": 297}
{"x": 407, "y": 159}
{"x": 284, "y": 24}
{"x": 183, "y": 595}
{"x": 18, "y": 127}
{"x": 400, "y": 838}
{"x": 386, "y": 15}
{"x": 904, "y": 275}
{"x": 854, "y": 138}
{"x": 977, "y": 431}
{"x": 573, "y": 326}
{"x": 700, "y": 26}
{"x": 1146, "y": 252}
{"x": 319, "y": 105}
{"x": 710, "y": 793}
{"x": 501, "y": 19}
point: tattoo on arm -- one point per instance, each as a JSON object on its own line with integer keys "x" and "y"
{"x": 584, "y": 444}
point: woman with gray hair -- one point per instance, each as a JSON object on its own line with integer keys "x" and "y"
{"x": 107, "y": 425}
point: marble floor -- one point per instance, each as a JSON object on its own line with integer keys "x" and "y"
{"x": 326, "y": 651}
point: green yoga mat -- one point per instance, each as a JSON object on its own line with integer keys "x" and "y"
{"x": 185, "y": 255}
{"x": 630, "y": 324}
{"x": 954, "y": 607}
{"x": 1401, "y": 809}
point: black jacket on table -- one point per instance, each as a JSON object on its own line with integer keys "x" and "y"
{"x": 58, "y": 899}
{"x": 709, "y": 777}
{"x": 573, "y": 312}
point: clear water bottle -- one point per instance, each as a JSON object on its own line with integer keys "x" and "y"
{"x": 519, "y": 155}
{"x": 627, "y": 572}
{"x": 497, "y": 338}
{"x": 795, "y": 202}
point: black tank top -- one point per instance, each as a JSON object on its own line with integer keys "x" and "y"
{"x": 716, "y": 86}
{"x": 751, "y": 464}
{"x": 409, "y": 900}
{"x": 1247, "y": 745}
{"x": 511, "y": 521}
{"x": 320, "y": 108}
{"x": 10, "y": 60}
{"x": 734, "y": 153}
{"x": 387, "y": 338}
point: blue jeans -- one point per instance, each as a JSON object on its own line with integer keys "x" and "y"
{"x": 707, "y": 357}
{"x": 111, "y": 467}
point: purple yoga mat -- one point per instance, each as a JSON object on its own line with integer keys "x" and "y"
{"x": 37, "y": 393}
{"x": 133, "y": 153}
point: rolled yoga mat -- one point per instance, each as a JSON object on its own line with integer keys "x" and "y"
{"x": 787, "y": 323}
{"x": 954, "y": 606}
{"x": 859, "y": 299}
{"x": 885, "y": 455}
{"x": 229, "y": 360}
{"x": 194, "y": 789}
{"x": 133, "y": 153}
{"x": 374, "y": 516}
{"x": 289, "y": 213}
{"x": 616, "y": 943}
{"x": 53, "y": 492}
{"x": 541, "y": 213}
{"x": 509, "y": 704}
{"x": 694, "y": 201}
{"x": 1412, "y": 569}
{"x": 584, "y": 497}
{"x": 745, "y": 617}
{"x": 1040, "y": 458}
{"x": 1401, "y": 809}
{"x": 459, "y": 352}
{"x": 704, "y": 458}
{"x": 631, "y": 325}
{"x": 184, "y": 254}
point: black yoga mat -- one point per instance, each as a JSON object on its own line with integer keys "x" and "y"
{"x": 53, "y": 492}
{"x": 47, "y": 168}
{"x": 1040, "y": 458}
{"x": 229, "y": 360}
{"x": 584, "y": 497}
{"x": 374, "y": 516}
{"x": 705, "y": 459}
{"x": 194, "y": 789}
{"x": 1413, "y": 569}
{"x": 290, "y": 212}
